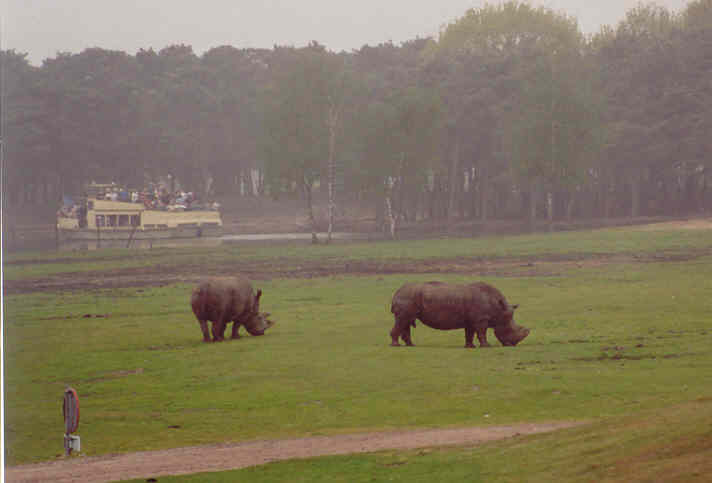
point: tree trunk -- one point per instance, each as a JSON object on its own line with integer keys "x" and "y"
{"x": 484, "y": 194}
{"x": 333, "y": 121}
{"x": 431, "y": 202}
{"x": 533, "y": 199}
{"x": 606, "y": 197}
{"x": 635, "y": 196}
{"x": 466, "y": 188}
{"x": 244, "y": 182}
{"x": 331, "y": 204}
{"x": 21, "y": 188}
{"x": 392, "y": 220}
{"x": 691, "y": 194}
{"x": 703, "y": 193}
{"x": 307, "y": 186}
{"x": 474, "y": 191}
{"x": 453, "y": 184}
{"x": 47, "y": 191}
{"x": 401, "y": 186}
{"x": 207, "y": 181}
{"x": 570, "y": 204}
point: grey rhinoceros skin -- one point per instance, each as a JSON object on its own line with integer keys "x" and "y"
{"x": 444, "y": 306}
{"x": 225, "y": 300}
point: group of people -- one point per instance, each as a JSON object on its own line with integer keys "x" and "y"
{"x": 160, "y": 199}
{"x": 152, "y": 198}
{"x": 69, "y": 209}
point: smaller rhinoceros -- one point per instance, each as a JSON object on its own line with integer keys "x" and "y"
{"x": 473, "y": 307}
{"x": 225, "y": 300}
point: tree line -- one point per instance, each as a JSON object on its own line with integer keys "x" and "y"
{"x": 510, "y": 113}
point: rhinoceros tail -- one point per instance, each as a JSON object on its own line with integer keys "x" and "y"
{"x": 198, "y": 300}
{"x": 394, "y": 311}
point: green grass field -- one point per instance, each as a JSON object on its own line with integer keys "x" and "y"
{"x": 624, "y": 346}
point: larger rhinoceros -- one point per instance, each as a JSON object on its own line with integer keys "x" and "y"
{"x": 225, "y": 300}
{"x": 473, "y": 307}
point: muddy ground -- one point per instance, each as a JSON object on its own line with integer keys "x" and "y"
{"x": 291, "y": 268}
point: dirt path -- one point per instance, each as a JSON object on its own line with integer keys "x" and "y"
{"x": 180, "y": 461}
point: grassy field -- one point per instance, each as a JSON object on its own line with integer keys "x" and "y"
{"x": 623, "y": 345}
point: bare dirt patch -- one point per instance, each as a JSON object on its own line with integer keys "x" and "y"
{"x": 147, "y": 276}
{"x": 223, "y": 457}
{"x": 696, "y": 224}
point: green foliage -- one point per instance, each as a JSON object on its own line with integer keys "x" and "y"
{"x": 295, "y": 105}
{"x": 511, "y": 102}
{"x": 549, "y": 116}
{"x": 509, "y": 25}
{"x": 650, "y": 67}
{"x": 697, "y": 16}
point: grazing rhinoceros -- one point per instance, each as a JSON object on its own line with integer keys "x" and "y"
{"x": 225, "y": 300}
{"x": 473, "y": 307}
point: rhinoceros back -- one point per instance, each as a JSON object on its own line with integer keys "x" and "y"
{"x": 437, "y": 304}
{"x": 408, "y": 299}
{"x": 225, "y": 298}
{"x": 451, "y": 306}
{"x": 493, "y": 302}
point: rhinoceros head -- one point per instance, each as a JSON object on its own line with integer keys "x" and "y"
{"x": 511, "y": 334}
{"x": 259, "y": 323}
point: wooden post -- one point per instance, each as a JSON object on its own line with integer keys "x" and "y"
{"x": 128, "y": 243}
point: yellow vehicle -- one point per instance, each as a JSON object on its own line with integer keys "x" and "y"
{"x": 117, "y": 220}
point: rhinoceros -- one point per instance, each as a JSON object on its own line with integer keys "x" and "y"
{"x": 225, "y": 300}
{"x": 473, "y": 307}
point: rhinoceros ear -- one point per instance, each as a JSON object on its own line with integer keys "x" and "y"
{"x": 259, "y": 294}
{"x": 514, "y": 307}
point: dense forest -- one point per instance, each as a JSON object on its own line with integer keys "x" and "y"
{"x": 511, "y": 113}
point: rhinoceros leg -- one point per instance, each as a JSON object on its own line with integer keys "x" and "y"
{"x": 218, "y": 331}
{"x": 235, "y": 329}
{"x": 401, "y": 328}
{"x": 405, "y": 335}
{"x": 223, "y": 329}
{"x": 469, "y": 337}
{"x": 482, "y": 335}
{"x": 204, "y": 329}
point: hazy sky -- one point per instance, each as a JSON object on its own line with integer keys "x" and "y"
{"x": 42, "y": 28}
